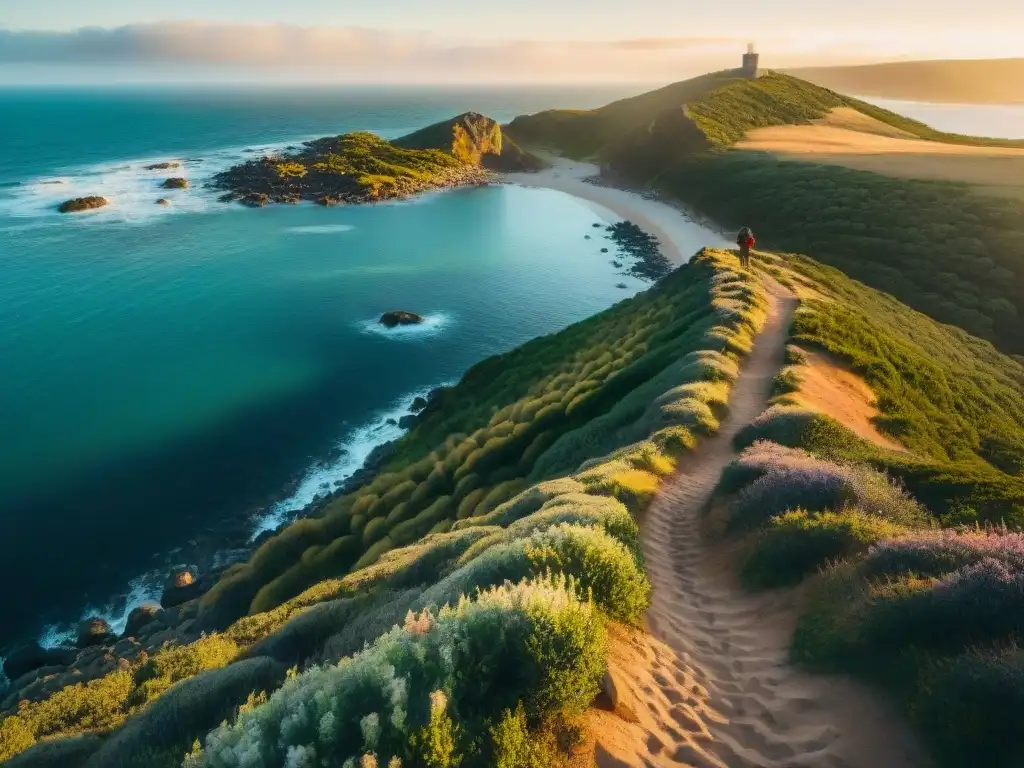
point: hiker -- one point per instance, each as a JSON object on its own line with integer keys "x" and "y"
{"x": 745, "y": 240}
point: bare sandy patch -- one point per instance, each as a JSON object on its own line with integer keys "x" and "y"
{"x": 828, "y": 386}
{"x": 998, "y": 169}
{"x": 850, "y": 119}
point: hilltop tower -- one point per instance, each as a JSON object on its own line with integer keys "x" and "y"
{"x": 751, "y": 60}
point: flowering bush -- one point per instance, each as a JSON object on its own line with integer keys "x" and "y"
{"x": 798, "y": 543}
{"x": 534, "y": 643}
{"x": 934, "y": 553}
{"x": 788, "y": 479}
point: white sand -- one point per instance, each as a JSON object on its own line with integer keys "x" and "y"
{"x": 679, "y": 235}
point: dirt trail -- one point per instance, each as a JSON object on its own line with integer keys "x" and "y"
{"x": 713, "y": 688}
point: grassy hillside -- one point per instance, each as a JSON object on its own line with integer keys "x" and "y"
{"x": 469, "y": 584}
{"x": 915, "y": 598}
{"x": 944, "y": 248}
{"x": 981, "y": 81}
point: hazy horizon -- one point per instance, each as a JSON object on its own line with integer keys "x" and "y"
{"x": 115, "y": 41}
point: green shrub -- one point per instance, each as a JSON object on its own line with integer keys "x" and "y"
{"x": 798, "y": 543}
{"x": 599, "y": 565}
{"x": 534, "y": 643}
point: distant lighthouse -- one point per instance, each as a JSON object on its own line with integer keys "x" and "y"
{"x": 750, "y": 62}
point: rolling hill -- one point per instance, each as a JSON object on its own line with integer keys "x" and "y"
{"x": 980, "y": 81}
{"x": 942, "y": 229}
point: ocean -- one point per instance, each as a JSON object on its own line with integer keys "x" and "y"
{"x": 997, "y": 121}
{"x": 177, "y": 379}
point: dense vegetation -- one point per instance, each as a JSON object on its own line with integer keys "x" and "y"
{"x": 943, "y": 248}
{"x": 932, "y": 615}
{"x": 530, "y": 572}
{"x": 940, "y": 247}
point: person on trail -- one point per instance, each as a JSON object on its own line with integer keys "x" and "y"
{"x": 745, "y": 240}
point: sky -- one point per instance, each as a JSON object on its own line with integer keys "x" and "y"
{"x": 474, "y": 40}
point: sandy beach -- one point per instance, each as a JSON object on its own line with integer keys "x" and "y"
{"x": 679, "y": 235}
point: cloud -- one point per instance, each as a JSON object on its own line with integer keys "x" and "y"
{"x": 357, "y": 53}
{"x": 352, "y": 54}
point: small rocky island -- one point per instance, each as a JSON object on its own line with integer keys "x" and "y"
{"x": 79, "y": 204}
{"x": 363, "y": 168}
{"x": 400, "y": 317}
{"x": 175, "y": 182}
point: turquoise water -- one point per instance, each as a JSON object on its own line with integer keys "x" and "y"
{"x": 177, "y": 379}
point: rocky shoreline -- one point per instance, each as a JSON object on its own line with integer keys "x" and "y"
{"x": 33, "y": 673}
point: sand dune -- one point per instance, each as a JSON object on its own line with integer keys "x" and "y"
{"x": 713, "y": 688}
{"x": 831, "y": 143}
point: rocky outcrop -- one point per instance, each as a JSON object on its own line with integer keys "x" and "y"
{"x": 163, "y": 201}
{"x": 29, "y": 658}
{"x": 400, "y": 317}
{"x": 94, "y": 631}
{"x": 163, "y": 166}
{"x": 418, "y": 404}
{"x": 79, "y": 204}
{"x": 181, "y": 586}
{"x": 175, "y": 182}
{"x": 140, "y": 618}
{"x": 475, "y": 139}
{"x": 408, "y": 422}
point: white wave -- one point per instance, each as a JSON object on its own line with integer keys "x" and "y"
{"x": 145, "y": 590}
{"x": 432, "y": 325}
{"x": 325, "y": 477}
{"x": 131, "y": 189}
{"x": 323, "y": 229}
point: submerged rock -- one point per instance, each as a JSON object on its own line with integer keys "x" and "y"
{"x": 94, "y": 631}
{"x": 82, "y": 204}
{"x": 400, "y": 317}
{"x": 255, "y": 199}
{"x": 163, "y": 166}
{"x": 175, "y": 182}
{"x": 163, "y": 201}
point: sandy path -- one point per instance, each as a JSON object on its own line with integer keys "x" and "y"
{"x": 715, "y": 685}
{"x": 680, "y": 237}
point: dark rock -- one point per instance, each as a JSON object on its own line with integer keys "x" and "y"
{"x": 181, "y": 586}
{"x": 139, "y": 618}
{"x": 30, "y": 678}
{"x": 586, "y": 237}
{"x": 418, "y": 404}
{"x": 604, "y": 250}
{"x": 28, "y": 658}
{"x": 621, "y": 285}
{"x": 82, "y": 204}
{"x": 596, "y": 224}
{"x": 400, "y": 317}
{"x": 256, "y": 199}
{"x": 163, "y": 201}
{"x": 175, "y": 182}
{"x": 163, "y": 166}
{"x": 408, "y": 422}
{"x": 391, "y": 422}
{"x": 94, "y": 631}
